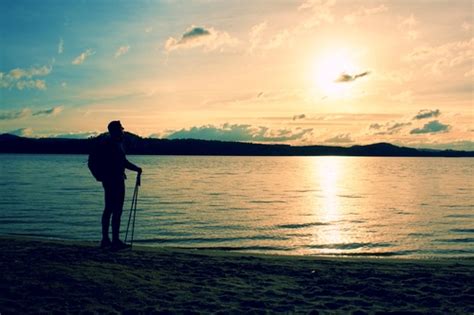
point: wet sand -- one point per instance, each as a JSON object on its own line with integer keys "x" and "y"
{"x": 44, "y": 276}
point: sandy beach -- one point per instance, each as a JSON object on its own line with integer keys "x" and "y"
{"x": 44, "y": 276}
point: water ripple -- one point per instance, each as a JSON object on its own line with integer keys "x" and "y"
{"x": 457, "y": 240}
{"x": 462, "y": 230}
{"x": 350, "y": 245}
{"x": 300, "y": 226}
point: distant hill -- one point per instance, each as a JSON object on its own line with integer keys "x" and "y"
{"x": 137, "y": 145}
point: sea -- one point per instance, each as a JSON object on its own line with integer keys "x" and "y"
{"x": 397, "y": 207}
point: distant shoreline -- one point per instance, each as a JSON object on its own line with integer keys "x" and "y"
{"x": 240, "y": 155}
{"x": 192, "y": 147}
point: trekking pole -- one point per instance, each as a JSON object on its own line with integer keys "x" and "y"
{"x": 133, "y": 212}
{"x": 137, "y": 184}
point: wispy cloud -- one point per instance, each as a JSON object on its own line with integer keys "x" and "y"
{"x": 257, "y": 40}
{"x": 408, "y": 26}
{"x": 122, "y": 50}
{"x": 277, "y": 40}
{"x": 24, "y": 78}
{"x": 26, "y": 112}
{"x": 466, "y": 26}
{"x": 431, "y": 127}
{"x": 19, "y": 73}
{"x": 344, "y": 77}
{"x": 439, "y": 59}
{"x": 242, "y": 132}
{"x": 314, "y": 13}
{"x": 31, "y": 84}
{"x": 341, "y": 138}
{"x": 320, "y": 12}
{"x": 408, "y": 22}
{"x": 388, "y": 128}
{"x": 255, "y": 36}
{"x": 83, "y": 56}
{"x": 405, "y": 97}
{"x": 76, "y": 135}
{"x": 426, "y": 113}
{"x": 47, "y": 112}
{"x": 298, "y": 117}
{"x": 22, "y": 132}
{"x": 465, "y": 145}
{"x": 12, "y": 115}
{"x": 207, "y": 38}
{"x": 61, "y": 46}
{"x": 363, "y": 13}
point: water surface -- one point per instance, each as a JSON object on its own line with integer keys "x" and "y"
{"x": 358, "y": 206}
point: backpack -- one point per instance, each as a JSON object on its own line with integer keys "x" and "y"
{"x": 97, "y": 162}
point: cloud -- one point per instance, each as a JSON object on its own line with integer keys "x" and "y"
{"x": 341, "y": 138}
{"x": 344, "y": 77}
{"x": 469, "y": 73}
{"x": 409, "y": 22}
{"x": 439, "y": 59}
{"x": 320, "y": 12}
{"x": 83, "y": 56}
{"x": 19, "y": 73}
{"x": 207, "y": 38}
{"x": 397, "y": 126}
{"x": 375, "y": 126}
{"x": 242, "y": 133}
{"x": 466, "y": 26}
{"x": 388, "y": 128}
{"x": 148, "y": 29}
{"x": 24, "y": 78}
{"x": 257, "y": 41}
{"x": 413, "y": 34}
{"x": 22, "y": 132}
{"x": 61, "y": 46}
{"x": 431, "y": 127}
{"x": 77, "y": 135}
{"x": 426, "y": 113}
{"x": 363, "y": 12}
{"x": 296, "y": 117}
{"x": 255, "y": 36}
{"x": 26, "y": 112}
{"x": 463, "y": 145}
{"x": 407, "y": 25}
{"x": 277, "y": 40}
{"x": 48, "y": 112}
{"x": 41, "y": 71}
{"x": 12, "y": 115}
{"x": 403, "y": 97}
{"x": 31, "y": 84}
{"x": 122, "y": 51}
{"x": 314, "y": 13}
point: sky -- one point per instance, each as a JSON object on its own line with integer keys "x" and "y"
{"x": 306, "y": 72}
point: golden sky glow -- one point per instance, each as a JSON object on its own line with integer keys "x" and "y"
{"x": 299, "y": 72}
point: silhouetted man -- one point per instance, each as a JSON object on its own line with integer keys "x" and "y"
{"x": 113, "y": 181}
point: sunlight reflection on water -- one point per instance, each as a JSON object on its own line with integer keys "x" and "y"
{"x": 409, "y": 207}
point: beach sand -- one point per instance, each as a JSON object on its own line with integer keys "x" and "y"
{"x": 44, "y": 276}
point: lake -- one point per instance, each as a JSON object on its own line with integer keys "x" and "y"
{"x": 350, "y": 206}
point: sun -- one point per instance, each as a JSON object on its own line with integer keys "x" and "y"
{"x": 328, "y": 68}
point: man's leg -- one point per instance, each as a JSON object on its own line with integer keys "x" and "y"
{"x": 119, "y": 196}
{"x": 108, "y": 209}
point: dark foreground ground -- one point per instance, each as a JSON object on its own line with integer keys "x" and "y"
{"x": 40, "y": 276}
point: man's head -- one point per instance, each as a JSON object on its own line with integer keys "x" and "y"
{"x": 115, "y": 129}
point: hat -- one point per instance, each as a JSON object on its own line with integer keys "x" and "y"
{"x": 115, "y": 126}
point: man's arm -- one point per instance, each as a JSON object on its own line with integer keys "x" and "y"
{"x": 133, "y": 167}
